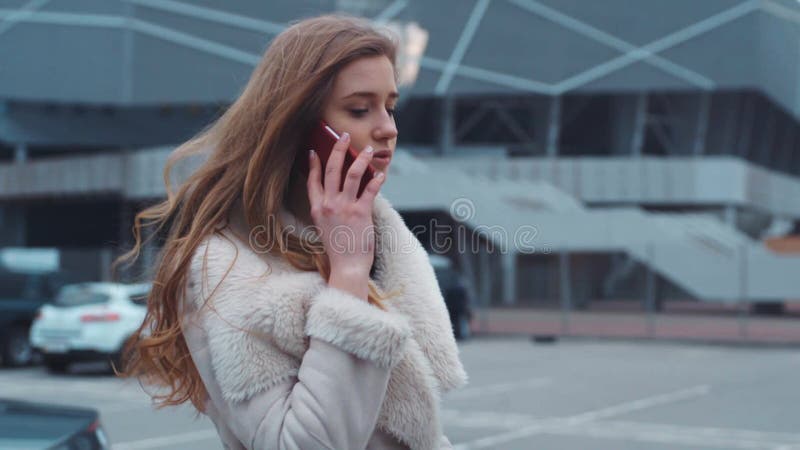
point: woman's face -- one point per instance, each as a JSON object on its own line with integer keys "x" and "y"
{"x": 362, "y": 103}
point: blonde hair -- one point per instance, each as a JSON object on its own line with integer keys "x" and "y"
{"x": 255, "y": 147}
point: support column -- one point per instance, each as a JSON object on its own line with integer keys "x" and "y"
{"x": 702, "y": 124}
{"x": 639, "y": 125}
{"x": 20, "y": 153}
{"x": 730, "y": 216}
{"x": 564, "y": 289}
{"x": 744, "y": 293}
{"x": 486, "y": 277}
{"x": 447, "y": 141}
{"x": 650, "y": 290}
{"x": 124, "y": 242}
{"x": 554, "y": 126}
{"x": 509, "y": 261}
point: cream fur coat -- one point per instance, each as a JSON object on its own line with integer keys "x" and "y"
{"x": 264, "y": 294}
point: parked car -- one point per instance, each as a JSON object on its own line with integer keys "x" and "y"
{"x": 88, "y": 322}
{"x": 455, "y": 293}
{"x": 22, "y": 293}
{"x": 27, "y": 425}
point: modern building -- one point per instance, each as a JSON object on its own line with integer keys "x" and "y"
{"x": 647, "y": 150}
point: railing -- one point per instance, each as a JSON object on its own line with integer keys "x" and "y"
{"x": 712, "y": 180}
{"x": 673, "y": 245}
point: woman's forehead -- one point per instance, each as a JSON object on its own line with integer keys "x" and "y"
{"x": 366, "y": 75}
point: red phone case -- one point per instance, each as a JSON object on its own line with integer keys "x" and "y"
{"x": 322, "y": 140}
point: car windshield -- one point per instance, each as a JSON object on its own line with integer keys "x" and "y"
{"x": 76, "y": 295}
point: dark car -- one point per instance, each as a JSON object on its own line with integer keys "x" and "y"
{"x": 27, "y": 425}
{"x": 456, "y": 295}
{"x": 21, "y": 295}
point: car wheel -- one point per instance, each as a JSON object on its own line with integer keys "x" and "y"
{"x": 56, "y": 365}
{"x": 462, "y": 328}
{"x": 17, "y": 350}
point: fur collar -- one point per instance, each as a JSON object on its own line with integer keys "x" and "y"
{"x": 244, "y": 365}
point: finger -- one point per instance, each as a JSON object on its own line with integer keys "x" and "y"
{"x": 315, "y": 191}
{"x": 372, "y": 188}
{"x": 333, "y": 168}
{"x": 356, "y": 171}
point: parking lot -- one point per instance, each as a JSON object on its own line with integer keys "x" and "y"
{"x": 573, "y": 394}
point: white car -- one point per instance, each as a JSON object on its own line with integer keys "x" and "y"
{"x": 88, "y": 322}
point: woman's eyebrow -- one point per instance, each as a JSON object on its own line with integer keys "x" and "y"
{"x": 392, "y": 95}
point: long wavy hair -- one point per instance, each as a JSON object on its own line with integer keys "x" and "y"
{"x": 252, "y": 153}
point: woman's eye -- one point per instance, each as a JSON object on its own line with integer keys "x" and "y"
{"x": 363, "y": 111}
{"x": 358, "y": 112}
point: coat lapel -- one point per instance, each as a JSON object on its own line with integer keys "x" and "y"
{"x": 402, "y": 263}
{"x": 431, "y": 364}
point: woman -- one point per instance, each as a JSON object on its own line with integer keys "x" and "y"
{"x": 287, "y": 339}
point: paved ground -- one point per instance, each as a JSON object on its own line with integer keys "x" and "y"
{"x": 571, "y": 394}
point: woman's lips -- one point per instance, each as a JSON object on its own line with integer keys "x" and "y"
{"x": 382, "y": 155}
{"x": 381, "y": 161}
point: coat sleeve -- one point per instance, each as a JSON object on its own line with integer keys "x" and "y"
{"x": 334, "y": 399}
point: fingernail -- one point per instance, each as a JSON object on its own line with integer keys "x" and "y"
{"x": 345, "y": 136}
{"x": 369, "y": 149}
{"x": 311, "y": 153}
{"x": 379, "y": 175}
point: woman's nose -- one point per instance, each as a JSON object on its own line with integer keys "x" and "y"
{"x": 387, "y": 129}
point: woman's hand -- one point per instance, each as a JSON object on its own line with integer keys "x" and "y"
{"x": 344, "y": 220}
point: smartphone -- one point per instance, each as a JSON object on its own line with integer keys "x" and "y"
{"x": 322, "y": 140}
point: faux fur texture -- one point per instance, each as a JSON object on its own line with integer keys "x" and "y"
{"x": 261, "y": 312}
{"x": 367, "y": 332}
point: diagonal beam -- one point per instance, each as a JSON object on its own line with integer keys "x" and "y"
{"x": 659, "y": 45}
{"x": 211, "y": 15}
{"x": 450, "y": 67}
{"x": 111, "y": 21}
{"x": 390, "y": 12}
{"x": 520, "y": 133}
{"x": 197, "y": 43}
{"x": 780, "y": 11}
{"x": 461, "y": 46}
{"x": 13, "y": 16}
{"x": 609, "y": 40}
{"x": 489, "y": 76}
{"x": 8, "y": 22}
{"x": 471, "y": 121}
{"x": 140, "y": 26}
{"x": 666, "y": 42}
{"x": 785, "y": 13}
